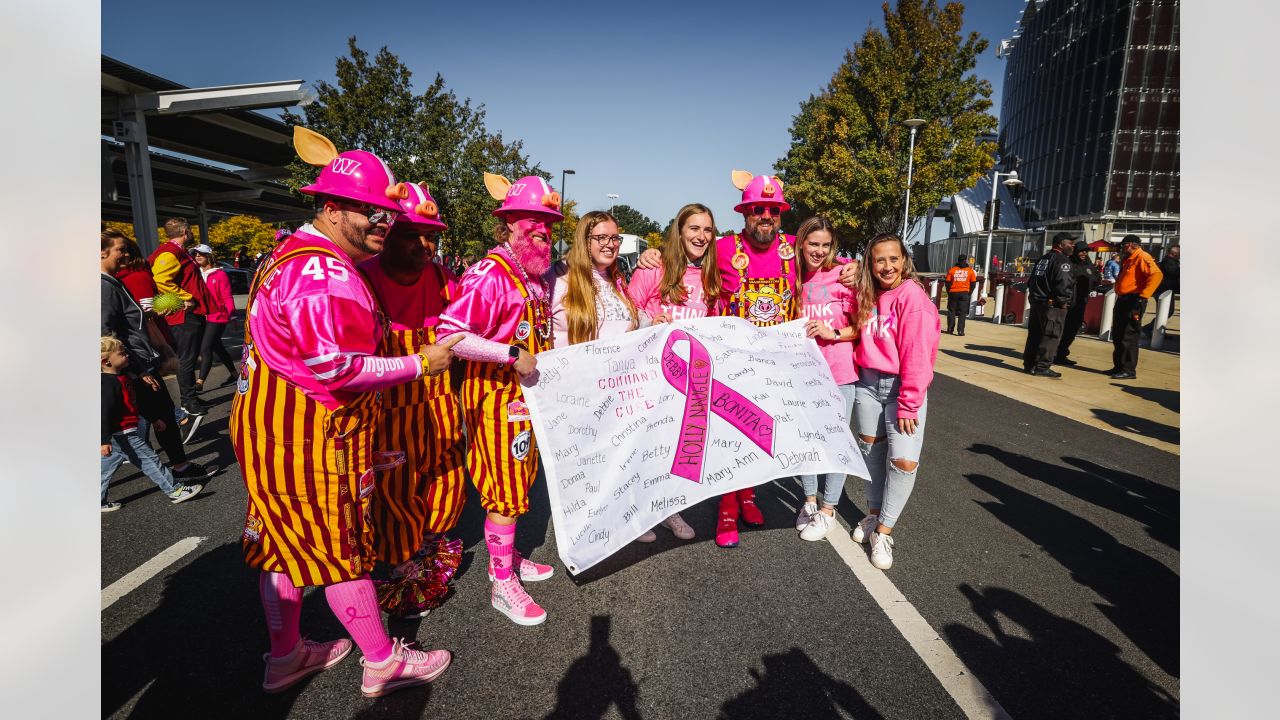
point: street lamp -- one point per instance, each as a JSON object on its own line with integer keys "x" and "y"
{"x": 1011, "y": 180}
{"x": 562, "y": 203}
{"x": 613, "y": 200}
{"x": 913, "y": 123}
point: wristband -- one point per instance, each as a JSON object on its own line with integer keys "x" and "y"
{"x": 426, "y": 364}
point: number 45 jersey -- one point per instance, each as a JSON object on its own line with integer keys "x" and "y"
{"x": 313, "y": 317}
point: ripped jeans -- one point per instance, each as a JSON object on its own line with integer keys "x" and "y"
{"x": 875, "y": 414}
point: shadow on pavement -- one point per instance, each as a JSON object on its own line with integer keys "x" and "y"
{"x": 596, "y": 681}
{"x": 201, "y": 648}
{"x": 996, "y": 350}
{"x": 792, "y": 686}
{"x": 974, "y": 357}
{"x": 1142, "y": 592}
{"x": 1077, "y": 672}
{"x": 1150, "y": 503}
{"x": 1170, "y": 400}
{"x": 1138, "y": 425}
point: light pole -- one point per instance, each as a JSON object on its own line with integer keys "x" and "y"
{"x": 1011, "y": 180}
{"x": 562, "y": 204}
{"x": 913, "y": 123}
{"x": 613, "y": 200}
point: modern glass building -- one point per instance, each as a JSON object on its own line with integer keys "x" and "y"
{"x": 1089, "y": 116}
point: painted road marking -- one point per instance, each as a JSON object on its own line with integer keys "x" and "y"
{"x": 956, "y": 679}
{"x": 148, "y": 570}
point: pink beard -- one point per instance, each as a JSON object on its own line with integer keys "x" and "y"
{"x": 534, "y": 261}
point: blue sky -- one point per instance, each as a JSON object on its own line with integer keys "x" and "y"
{"x": 654, "y": 101}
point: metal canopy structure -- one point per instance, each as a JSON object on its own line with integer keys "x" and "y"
{"x": 194, "y": 151}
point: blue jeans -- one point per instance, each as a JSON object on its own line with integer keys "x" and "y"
{"x": 134, "y": 447}
{"x": 832, "y": 483}
{"x": 875, "y": 414}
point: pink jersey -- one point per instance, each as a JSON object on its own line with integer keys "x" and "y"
{"x": 645, "y": 293}
{"x": 410, "y": 307}
{"x": 488, "y": 303}
{"x": 761, "y": 263}
{"x": 901, "y": 338}
{"x": 822, "y": 297}
{"x": 314, "y": 317}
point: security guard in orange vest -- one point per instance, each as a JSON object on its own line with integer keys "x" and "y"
{"x": 960, "y": 280}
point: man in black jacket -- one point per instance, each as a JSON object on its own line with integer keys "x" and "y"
{"x": 1051, "y": 288}
{"x": 1087, "y": 278}
{"x": 123, "y": 318}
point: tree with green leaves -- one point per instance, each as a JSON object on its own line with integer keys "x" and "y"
{"x": 241, "y": 231}
{"x": 849, "y": 146}
{"x": 634, "y": 222}
{"x": 430, "y": 137}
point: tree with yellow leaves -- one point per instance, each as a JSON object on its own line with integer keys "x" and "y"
{"x": 849, "y": 146}
{"x": 241, "y": 231}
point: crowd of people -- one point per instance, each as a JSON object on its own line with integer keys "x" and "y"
{"x": 367, "y": 360}
{"x": 142, "y": 342}
{"x": 1060, "y": 285}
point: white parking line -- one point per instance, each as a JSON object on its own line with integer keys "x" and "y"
{"x": 956, "y": 679}
{"x": 148, "y": 570}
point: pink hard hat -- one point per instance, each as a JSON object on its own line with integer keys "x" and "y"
{"x": 419, "y": 210}
{"x": 758, "y": 190}
{"x": 530, "y": 194}
{"x": 354, "y": 175}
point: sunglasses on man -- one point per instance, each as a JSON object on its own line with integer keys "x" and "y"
{"x": 772, "y": 210}
{"x": 375, "y": 215}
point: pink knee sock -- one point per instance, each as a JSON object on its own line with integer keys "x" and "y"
{"x": 282, "y": 604}
{"x": 356, "y": 604}
{"x": 501, "y": 540}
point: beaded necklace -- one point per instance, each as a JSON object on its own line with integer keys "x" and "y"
{"x": 541, "y": 301}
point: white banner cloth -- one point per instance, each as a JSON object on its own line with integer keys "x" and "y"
{"x": 634, "y": 428}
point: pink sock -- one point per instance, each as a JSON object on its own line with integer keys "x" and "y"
{"x": 501, "y": 540}
{"x": 356, "y": 604}
{"x": 282, "y": 604}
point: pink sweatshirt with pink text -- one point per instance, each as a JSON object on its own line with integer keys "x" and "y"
{"x": 645, "y": 292}
{"x": 488, "y": 305}
{"x": 822, "y": 297}
{"x": 315, "y": 322}
{"x": 901, "y": 338}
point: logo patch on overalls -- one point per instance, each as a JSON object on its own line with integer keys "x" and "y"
{"x": 517, "y": 411}
{"x": 252, "y": 529}
{"x": 523, "y": 330}
{"x": 520, "y": 446}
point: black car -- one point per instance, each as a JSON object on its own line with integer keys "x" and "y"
{"x": 240, "y": 279}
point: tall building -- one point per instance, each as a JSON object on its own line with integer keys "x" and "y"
{"x": 1089, "y": 116}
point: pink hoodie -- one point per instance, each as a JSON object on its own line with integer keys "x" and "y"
{"x": 822, "y": 297}
{"x": 901, "y": 338}
{"x": 644, "y": 290}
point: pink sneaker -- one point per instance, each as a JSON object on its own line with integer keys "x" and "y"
{"x": 405, "y": 668}
{"x": 530, "y": 571}
{"x": 307, "y": 659}
{"x": 509, "y": 598}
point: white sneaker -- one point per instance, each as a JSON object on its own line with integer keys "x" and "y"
{"x": 678, "y": 527}
{"x": 184, "y": 493}
{"x": 648, "y": 537}
{"x": 881, "y": 551}
{"x": 864, "y": 528}
{"x": 819, "y": 526}
{"x": 807, "y": 511}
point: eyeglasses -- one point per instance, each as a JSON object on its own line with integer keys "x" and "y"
{"x": 759, "y": 210}
{"x": 375, "y": 215}
{"x": 603, "y": 240}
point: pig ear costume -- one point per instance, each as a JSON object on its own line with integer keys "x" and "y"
{"x": 760, "y": 286}
{"x": 302, "y": 426}
{"x": 504, "y": 309}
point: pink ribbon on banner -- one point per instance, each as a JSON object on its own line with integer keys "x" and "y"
{"x": 705, "y": 395}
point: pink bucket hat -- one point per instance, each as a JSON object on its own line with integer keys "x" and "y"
{"x": 419, "y": 209}
{"x": 530, "y": 194}
{"x": 758, "y": 190}
{"x": 354, "y": 175}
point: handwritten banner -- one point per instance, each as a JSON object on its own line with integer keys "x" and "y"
{"x": 634, "y": 428}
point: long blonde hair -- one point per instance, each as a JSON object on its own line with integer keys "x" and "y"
{"x": 870, "y": 287}
{"x": 675, "y": 261}
{"x": 580, "y": 300}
